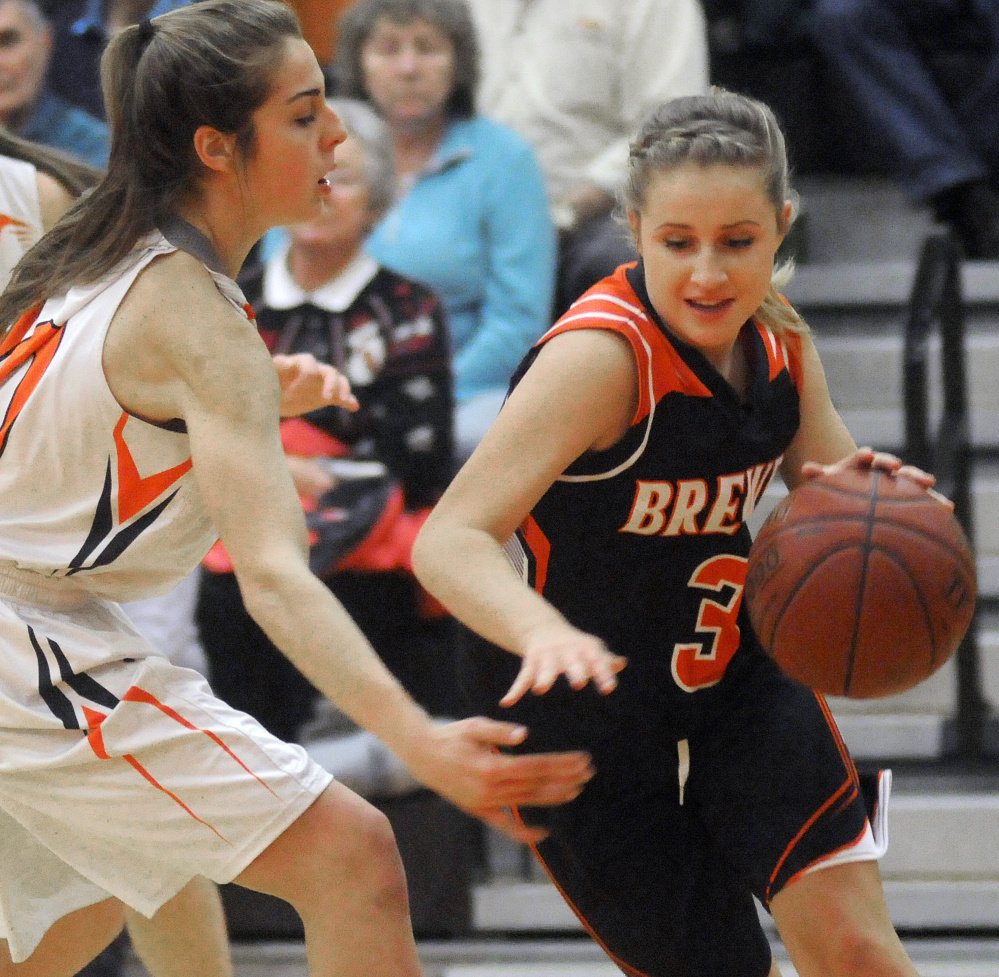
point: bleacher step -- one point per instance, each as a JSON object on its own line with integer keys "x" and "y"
{"x": 925, "y": 905}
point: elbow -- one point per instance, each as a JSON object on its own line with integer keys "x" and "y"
{"x": 422, "y": 555}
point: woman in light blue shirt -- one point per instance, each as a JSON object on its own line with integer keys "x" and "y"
{"x": 470, "y": 217}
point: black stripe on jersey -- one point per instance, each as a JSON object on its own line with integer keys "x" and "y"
{"x": 123, "y": 539}
{"x": 102, "y": 524}
{"x": 82, "y": 684}
{"x": 54, "y": 698}
{"x": 531, "y": 561}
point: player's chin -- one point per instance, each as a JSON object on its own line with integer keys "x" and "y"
{"x": 310, "y": 207}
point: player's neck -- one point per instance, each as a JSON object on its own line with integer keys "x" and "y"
{"x": 229, "y": 242}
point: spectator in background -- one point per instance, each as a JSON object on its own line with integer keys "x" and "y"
{"x": 28, "y": 107}
{"x": 323, "y": 294}
{"x": 80, "y": 32}
{"x": 470, "y": 217}
{"x": 575, "y": 78}
{"x": 944, "y": 150}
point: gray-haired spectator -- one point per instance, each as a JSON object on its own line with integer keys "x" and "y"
{"x": 28, "y": 107}
{"x": 470, "y": 218}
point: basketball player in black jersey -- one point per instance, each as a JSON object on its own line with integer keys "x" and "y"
{"x": 637, "y": 438}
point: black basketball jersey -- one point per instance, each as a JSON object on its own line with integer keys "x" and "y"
{"x": 645, "y": 544}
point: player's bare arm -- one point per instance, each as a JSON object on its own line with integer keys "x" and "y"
{"x": 822, "y": 436}
{"x": 211, "y": 369}
{"x": 823, "y": 443}
{"x": 580, "y": 394}
{"x": 53, "y": 199}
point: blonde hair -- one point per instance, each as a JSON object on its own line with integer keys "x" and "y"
{"x": 726, "y": 128}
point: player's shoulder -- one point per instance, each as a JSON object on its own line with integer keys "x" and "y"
{"x": 179, "y": 286}
{"x": 610, "y": 303}
{"x": 175, "y": 305}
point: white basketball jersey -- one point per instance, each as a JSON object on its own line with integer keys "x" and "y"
{"x": 20, "y": 213}
{"x": 88, "y": 491}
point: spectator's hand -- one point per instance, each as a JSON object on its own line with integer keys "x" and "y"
{"x": 310, "y": 478}
{"x": 461, "y": 763}
{"x": 580, "y": 657}
{"x": 864, "y": 459}
{"x": 583, "y": 203}
{"x": 307, "y": 384}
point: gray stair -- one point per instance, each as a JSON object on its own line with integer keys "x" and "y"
{"x": 857, "y": 313}
{"x": 575, "y": 955}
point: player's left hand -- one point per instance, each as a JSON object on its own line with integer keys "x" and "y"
{"x": 865, "y": 459}
{"x": 460, "y": 761}
{"x": 307, "y": 384}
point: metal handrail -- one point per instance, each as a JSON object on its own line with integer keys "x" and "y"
{"x": 937, "y": 302}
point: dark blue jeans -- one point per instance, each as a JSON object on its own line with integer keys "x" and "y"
{"x": 877, "y": 50}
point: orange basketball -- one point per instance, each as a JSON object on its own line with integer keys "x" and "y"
{"x": 860, "y": 584}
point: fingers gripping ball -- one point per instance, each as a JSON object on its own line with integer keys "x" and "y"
{"x": 860, "y": 584}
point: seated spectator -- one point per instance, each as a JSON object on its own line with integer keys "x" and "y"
{"x": 367, "y": 479}
{"x": 470, "y": 217}
{"x": 943, "y": 147}
{"x": 575, "y": 78}
{"x": 28, "y": 107}
{"x": 81, "y": 30}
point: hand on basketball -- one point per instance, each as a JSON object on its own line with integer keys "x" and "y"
{"x": 867, "y": 458}
{"x": 580, "y": 657}
{"x": 462, "y": 763}
{"x": 307, "y": 384}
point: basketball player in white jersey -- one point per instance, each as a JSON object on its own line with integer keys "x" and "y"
{"x": 140, "y": 420}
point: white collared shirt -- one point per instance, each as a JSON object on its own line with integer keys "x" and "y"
{"x": 576, "y": 77}
{"x": 281, "y": 291}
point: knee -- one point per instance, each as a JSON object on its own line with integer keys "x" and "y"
{"x": 860, "y": 953}
{"x": 354, "y": 843}
{"x": 375, "y": 851}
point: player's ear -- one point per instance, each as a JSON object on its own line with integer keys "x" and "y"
{"x": 784, "y": 224}
{"x": 217, "y": 150}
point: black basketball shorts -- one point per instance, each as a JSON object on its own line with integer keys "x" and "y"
{"x": 662, "y": 853}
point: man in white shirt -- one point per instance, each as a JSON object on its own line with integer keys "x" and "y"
{"x": 575, "y": 78}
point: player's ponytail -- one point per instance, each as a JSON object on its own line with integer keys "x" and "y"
{"x": 207, "y": 64}
{"x": 720, "y": 127}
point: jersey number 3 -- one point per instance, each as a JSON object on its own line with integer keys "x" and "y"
{"x": 699, "y": 664}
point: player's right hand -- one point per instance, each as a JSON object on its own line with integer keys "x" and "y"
{"x": 461, "y": 762}
{"x": 580, "y": 657}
